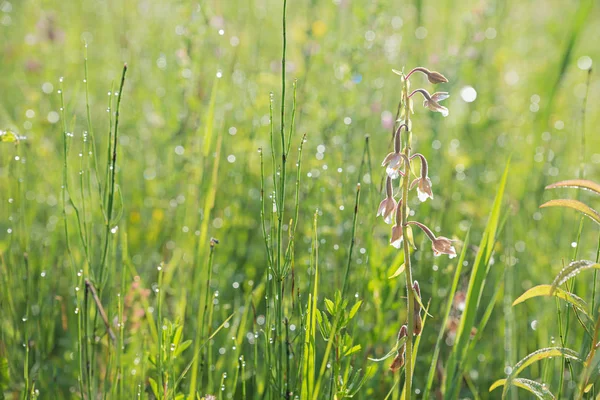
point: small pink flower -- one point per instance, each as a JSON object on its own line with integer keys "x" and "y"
{"x": 443, "y": 245}
{"x": 387, "y": 205}
{"x": 394, "y": 160}
{"x": 396, "y": 239}
{"x": 432, "y": 101}
{"x": 440, "y": 244}
{"x": 423, "y": 188}
{"x": 423, "y": 183}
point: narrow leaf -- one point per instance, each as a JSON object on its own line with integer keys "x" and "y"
{"x": 577, "y": 183}
{"x": 575, "y": 205}
{"x": 354, "y": 309}
{"x": 399, "y": 271}
{"x": 392, "y": 352}
{"x": 540, "y": 390}
{"x": 537, "y": 356}
{"x": 550, "y": 290}
{"x": 475, "y": 289}
{"x": 572, "y": 270}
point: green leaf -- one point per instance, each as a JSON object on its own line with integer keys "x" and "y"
{"x": 575, "y": 205}
{"x": 354, "y": 309}
{"x": 330, "y": 306}
{"x": 324, "y": 324}
{"x": 577, "y": 183}
{"x": 572, "y": 270}
{"x": 177, "y": 336}
{"x": 399, "y": 271}
{"x": 154, "y": 387}
{"x": 352, "y": 350}
{"x": 550, "y": 290}
{"x": 182, "y": 347}
{"x": 309, "y": 354}
{"x": 537, "y": 356}
{"x": 539, "y": 390}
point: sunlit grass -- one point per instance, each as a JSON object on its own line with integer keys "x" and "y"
{"x": 200, "y": 260}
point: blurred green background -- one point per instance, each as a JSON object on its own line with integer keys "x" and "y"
{"x": 195, "y": 110}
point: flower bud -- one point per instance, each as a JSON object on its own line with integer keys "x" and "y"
{"x": 417, "y": 307}
{"x": 435, "y": 77}
{"x": 398, "y": 362}
{"x": 399, "y": 359}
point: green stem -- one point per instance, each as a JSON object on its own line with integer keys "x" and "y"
{"x": 408, "y": 271}
{"x": 352, "y": 240}
{"x": 280, "y": 214}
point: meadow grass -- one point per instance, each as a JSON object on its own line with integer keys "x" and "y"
{"x": 189, "y": 195}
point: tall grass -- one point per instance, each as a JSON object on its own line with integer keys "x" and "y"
{"x": 112, "y": 284}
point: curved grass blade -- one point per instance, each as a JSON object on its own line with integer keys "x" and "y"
{"x": 539, "y": 390}
{"x": 479, "y": 272}
{"x": 398, "y": 272}
{"x": 572, "y": 270}
{"x": 575, "y": 205}
{"x": 393, "y": 351}
{"x": 537, "y": 356}
{"x": 550, "y": 290}
{"x": 577, "y": 183}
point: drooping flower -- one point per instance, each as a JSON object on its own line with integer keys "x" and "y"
{"x": 387, "y": 205}
{"x": 393, "y": 161}
{"x": 434, "y": 105}
{"x": 423, "y": 183}
{"x": 432, "y": 76}
{"x": 440, "y": 245}
{"x": 396, "y": 239}
{"x": 392, "y": 165}
{"x": 443, "y": 245}
{"x": 432, "y": 101}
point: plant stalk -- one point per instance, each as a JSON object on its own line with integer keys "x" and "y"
{"x": 408, "y": 369}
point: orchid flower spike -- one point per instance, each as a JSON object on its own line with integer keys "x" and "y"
{"x": 396, "y": 239}
{"x": 440, "y": 245}
{"x": 387, "y": 205}
{"x": 432, "y": 101}
{"x": 394, "y": 160}
{"x": 423, "y": 183}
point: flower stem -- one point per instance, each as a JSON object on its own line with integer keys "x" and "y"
{"x": 408, "y": 369}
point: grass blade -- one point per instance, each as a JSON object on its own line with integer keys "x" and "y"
{"x": 474, "y": 292}
{"x": 577, "y": 183}
{"x": 538, "y": 355}
{"x": 575, "y": 205}
{"x": 539, "y": 390}
{"x": 572, "y": 270}
{"x": 549, "y": 290}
